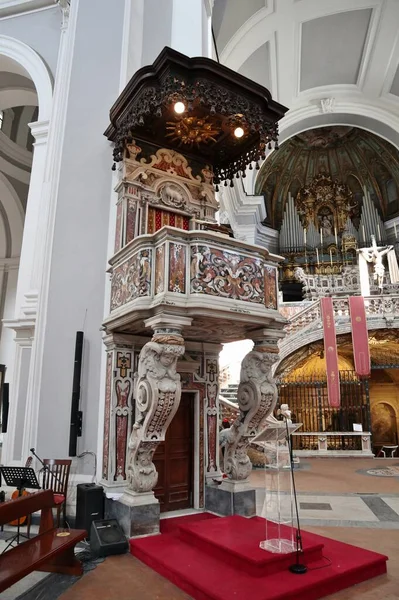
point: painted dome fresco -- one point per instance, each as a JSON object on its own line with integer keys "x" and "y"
{"x": 348, "y": 155}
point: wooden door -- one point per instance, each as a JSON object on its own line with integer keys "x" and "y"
{"x": 174, "y": 457}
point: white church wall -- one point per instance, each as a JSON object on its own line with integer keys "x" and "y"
{"x": 157, "y": 28}
{"x": 79, "y": 252}
{"x": 39, "y": 30}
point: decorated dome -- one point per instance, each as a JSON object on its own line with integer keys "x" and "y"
{"x": 348, "y": 156}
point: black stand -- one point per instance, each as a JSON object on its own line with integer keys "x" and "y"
{"x": 21, "y": 478}
{"x": 45, "y": 467}
{"x": 297, "y": 568}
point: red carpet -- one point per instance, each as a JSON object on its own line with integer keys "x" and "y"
{"x": 220, "y": 559}
{"x": 173, "y": 524}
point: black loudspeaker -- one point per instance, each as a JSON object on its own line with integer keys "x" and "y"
{"x": 106, "y": 538}
{"x": 76, "y": 414}
{"x": 4, "y": 407}
{"x": 89, "y": 505}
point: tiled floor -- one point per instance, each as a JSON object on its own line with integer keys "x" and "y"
{"x": 337, "y": 498}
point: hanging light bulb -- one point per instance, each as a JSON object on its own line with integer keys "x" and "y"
{"x": 239, "y": 132}
{"x": 179, "y": 108}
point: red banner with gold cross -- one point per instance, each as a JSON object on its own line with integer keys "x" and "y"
{"x": 360, "y": 338}
{"x": 330, "y": 352}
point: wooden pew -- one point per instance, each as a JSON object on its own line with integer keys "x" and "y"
{"x": 48, "y": 551}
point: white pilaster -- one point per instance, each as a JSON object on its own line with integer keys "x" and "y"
{"x": 132, "y": 40}
{"x": 245, "y": 212}
{"x": 187, "y": 27}
{"x": 32, "y": 250}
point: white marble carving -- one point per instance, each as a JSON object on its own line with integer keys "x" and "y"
{"x": 157, "y": 394}
{"x": 317, "y": 286}
{"x": 172, "y": 196}
{"x": 327, "y": 105}
{"x": 257, "y": 397}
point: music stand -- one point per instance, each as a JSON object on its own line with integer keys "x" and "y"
{"x": 21, "y": 478}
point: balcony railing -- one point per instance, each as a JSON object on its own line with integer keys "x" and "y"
{"x": 376, "y": 306}
{"x": 332, "y": 443}
{"x": 172, "y": 265}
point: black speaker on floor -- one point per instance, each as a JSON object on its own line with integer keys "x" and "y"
{"x": 106, "y": 538}
{"x": 89, "y": 505}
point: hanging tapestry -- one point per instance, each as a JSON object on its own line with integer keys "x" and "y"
{"x": 330, "y": 352}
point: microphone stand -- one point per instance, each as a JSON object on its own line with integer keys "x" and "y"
{"x": 297, "y": 568}
{"x": 45, "y": 467}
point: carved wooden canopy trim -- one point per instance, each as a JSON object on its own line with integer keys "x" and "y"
{"x": 209, "y": 90}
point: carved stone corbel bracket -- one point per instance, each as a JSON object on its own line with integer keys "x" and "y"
{"x": 157, "y": 394}
{"x": 257, "y": 397}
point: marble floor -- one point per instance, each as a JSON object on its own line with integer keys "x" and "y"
{"x": 343, "y": 499}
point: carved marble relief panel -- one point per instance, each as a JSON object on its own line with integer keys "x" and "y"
{"x": 271, "y": 287}
{"x": 212, "y": 389}
{"x": 160, "y": 269}
{"x": 177, "y": 268}
{"x": 123, "y": 411}
{"x": 118, "y": 415}
{"x": 131, "y": 279}
{"x": 226, "y": 274}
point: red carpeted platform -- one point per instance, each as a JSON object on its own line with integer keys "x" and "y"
{"x": 214, "y": 558}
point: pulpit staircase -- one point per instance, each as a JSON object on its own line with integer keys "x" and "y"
{"x": 306, "y": 327}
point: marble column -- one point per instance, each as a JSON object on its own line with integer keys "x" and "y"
{"x": 118, "y": 409}
{"x": 157, "y": 393}
{"x": 257, "y": 397}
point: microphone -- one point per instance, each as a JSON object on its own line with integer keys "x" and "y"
{"x": 32, "y": 450}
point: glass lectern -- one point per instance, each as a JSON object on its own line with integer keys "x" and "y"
{"x": 279, "y": 505}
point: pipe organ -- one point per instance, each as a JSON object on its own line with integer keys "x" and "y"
{"x": 323, "y": 227}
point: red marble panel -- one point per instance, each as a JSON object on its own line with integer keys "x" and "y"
{"x": 271, "y": 287}
{"x": 177, "y": 268}
{"x": 130, "y": 220}
{"x": 160, "y": 269}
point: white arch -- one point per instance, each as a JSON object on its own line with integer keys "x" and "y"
{"x": 15, "y": 214}
{"x": 360, "y": 115}
{"x": 34, "y": 65}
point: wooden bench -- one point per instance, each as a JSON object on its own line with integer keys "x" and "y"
{"x": 47, "y": 551}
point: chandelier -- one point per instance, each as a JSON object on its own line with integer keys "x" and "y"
{"x": 209, "y": 112}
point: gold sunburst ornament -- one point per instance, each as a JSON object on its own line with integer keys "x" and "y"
{"x": 193, "y": 130}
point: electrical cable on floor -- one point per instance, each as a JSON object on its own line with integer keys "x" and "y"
{"x": 95, "y": 462}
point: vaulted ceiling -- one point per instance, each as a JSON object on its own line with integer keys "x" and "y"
{"x": 322, "y": 59}
{"x": 348, "y": 155}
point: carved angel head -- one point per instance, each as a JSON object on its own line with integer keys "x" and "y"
{"x": 158, "y": 359}
{"x": 257, "y": 366}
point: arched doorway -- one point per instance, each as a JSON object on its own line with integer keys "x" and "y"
{"x": 384, "y": 424}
